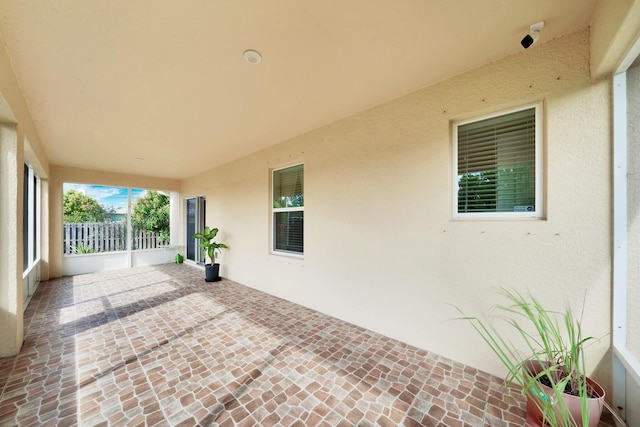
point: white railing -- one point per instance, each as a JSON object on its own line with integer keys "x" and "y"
{"x": 95, "y": 237}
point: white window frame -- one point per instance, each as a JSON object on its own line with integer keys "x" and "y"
{"x": 537, "y": 213}
{"x": 626, "y": 366}
{"x": 275, "y": 251}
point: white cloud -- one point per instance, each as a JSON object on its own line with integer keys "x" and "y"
{"x": 104, "y": 195}
{"x": 101, "y": 193}
{"x": 137, "y": 194}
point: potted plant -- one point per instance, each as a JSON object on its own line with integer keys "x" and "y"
{"x": 548, "y": 363}
{"x": 211, "y": 271}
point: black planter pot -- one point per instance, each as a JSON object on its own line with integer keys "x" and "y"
{"x": 212, "y": 272}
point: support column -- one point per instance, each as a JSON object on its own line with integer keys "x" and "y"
{"x": 175, "y": 219}
{"x": 44, "y": 229}
{"x": 11, "y": 182}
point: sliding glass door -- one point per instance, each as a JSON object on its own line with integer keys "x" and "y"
{"x": 196, "y": 208}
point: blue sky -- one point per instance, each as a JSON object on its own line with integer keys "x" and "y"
{"x": 107, "y": 196}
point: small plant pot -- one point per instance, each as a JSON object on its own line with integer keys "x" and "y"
{"x": 595, "y": 401}
{"x": 212, "y": 273}
{"x": 179, "y": 259}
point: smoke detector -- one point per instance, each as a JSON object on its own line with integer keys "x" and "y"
{"x": 252, "y": 56}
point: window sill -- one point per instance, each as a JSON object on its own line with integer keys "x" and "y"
{"x": 498, "y": 218}
{"x": 286, "y": 254}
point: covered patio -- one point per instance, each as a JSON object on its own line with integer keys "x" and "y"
{"x": 368, "y": 164}
{"x": 159, "y": 346}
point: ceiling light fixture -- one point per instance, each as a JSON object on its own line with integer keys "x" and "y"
{"x": 533, "y": 36}
{"x": 252, "y": 56}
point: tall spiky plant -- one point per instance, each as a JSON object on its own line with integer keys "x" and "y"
{"x": 553, "y": 343}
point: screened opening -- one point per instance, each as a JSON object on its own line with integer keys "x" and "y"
{"x": 497, "y": 164}
{"x": 150, "y": 218}
{"x": 97, "y": 219}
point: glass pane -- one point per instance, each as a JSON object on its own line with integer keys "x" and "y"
{"x": 34, "y": 217}
{"x": 25, "y": 219}
{"x": 289, "y": 231}
{"x": 477, "y": 192}
{"x": 196, "y": 212}
{"x": 288, "y": 187}
{"x": 497, "y": 164}
{"x": 191, "y": 229}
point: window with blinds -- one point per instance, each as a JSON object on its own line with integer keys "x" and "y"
{"x": 288, "y": 210}
{"x": 497, "y": 163}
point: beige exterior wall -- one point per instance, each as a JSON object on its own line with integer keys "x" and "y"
{"x": 614, "y": 30}
{"x": 381, "y": 247}
{"x": 18, "y": 143}
{"x": 60, "y": 175}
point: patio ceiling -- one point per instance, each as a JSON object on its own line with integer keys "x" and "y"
{"x": 160, "y": 88}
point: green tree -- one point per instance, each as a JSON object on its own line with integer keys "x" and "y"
{"x": 477, "y": 192}
{"x": 151, "y": 214}
{"x": 78, "y": 207}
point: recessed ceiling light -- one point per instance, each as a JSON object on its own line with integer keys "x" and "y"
{"x": 252, "y": 56}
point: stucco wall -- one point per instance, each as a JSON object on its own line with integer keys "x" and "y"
{"x": 18, "y": 143}
{"x": 11, "y": 320}
{"x": 614, "y": 30}
{"x": 381, "y": 248}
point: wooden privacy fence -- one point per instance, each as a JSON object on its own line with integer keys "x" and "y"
{"x": 93, "y": 237}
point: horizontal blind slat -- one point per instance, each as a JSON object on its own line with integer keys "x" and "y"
{"x": 496, "y": 163}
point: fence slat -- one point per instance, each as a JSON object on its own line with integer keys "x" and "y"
{"x": 88, "y": 237}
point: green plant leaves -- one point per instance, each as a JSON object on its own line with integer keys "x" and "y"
{"x": 206, "y": 243}
{"x": 551, "y": 340}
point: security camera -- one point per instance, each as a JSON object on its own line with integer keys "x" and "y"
{"x": 530, "y": 39}
{"x": 533, "y": 36}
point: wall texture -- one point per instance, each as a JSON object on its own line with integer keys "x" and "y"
{"x": 18, "y": 143}
{"x": 11, "y": 297}
{"x": 614, "y": 30}
{"x": 381, "y": 247}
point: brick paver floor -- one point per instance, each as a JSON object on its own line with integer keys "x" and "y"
{"x": 159, "y": 346}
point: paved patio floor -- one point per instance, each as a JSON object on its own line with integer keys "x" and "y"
{"x": 159, "y": 346}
